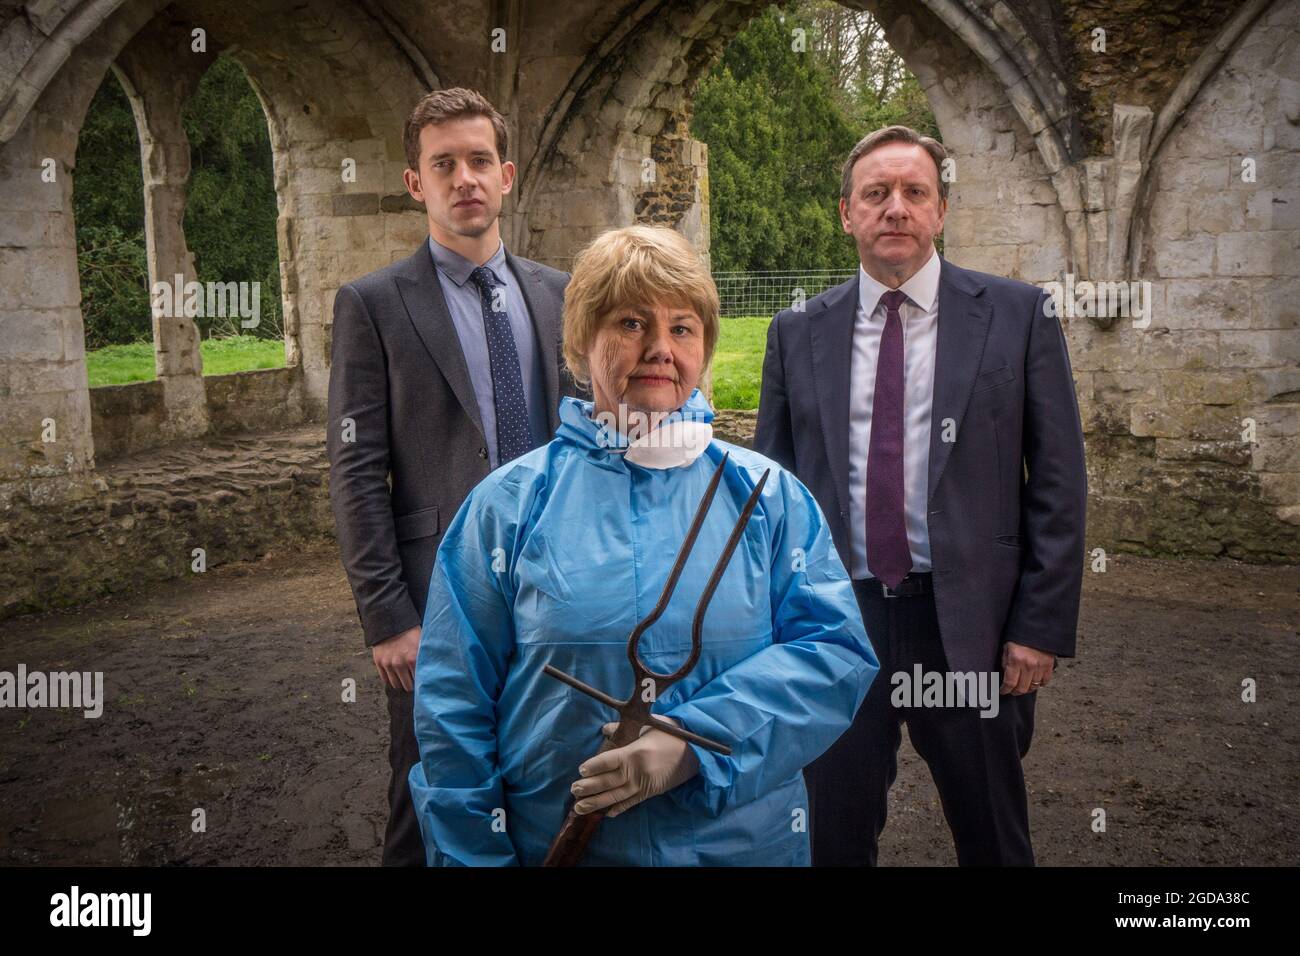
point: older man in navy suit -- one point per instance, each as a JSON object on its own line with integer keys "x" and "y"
{"x": 931, "y": 411}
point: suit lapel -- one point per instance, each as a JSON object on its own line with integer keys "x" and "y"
{"x": 426, "y": 306}
{"x": 831, "y": 332}
{"x": 544, "y": 311}
{"x": 964, "y": 315}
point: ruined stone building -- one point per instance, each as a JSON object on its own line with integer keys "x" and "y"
{"x": 1131, "y": 141}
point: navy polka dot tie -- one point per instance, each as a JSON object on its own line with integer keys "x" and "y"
{"x": 513, "y": 437}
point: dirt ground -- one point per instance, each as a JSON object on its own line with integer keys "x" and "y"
{"x": 224, "y": 692}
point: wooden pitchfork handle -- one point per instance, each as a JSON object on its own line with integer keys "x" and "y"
{"x": 577, "y": 830}
{"x": 570, "y": 843}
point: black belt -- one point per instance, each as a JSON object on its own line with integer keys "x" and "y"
{"x": 915, "y": 584}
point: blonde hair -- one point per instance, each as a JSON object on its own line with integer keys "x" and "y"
{"x": 635, "y": 265}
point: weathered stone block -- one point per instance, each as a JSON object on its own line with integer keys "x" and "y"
{"x": 1207, "y": 388}
{"x": 1275, "y": 303}
{"x": 1206, "y": 304}
{"x": 1161, "y": 349}
{"x": 355, "y": 204}
{"x": 1282, "y": 419}
{"x": 1043, "y": 261}
{"x": 1185, "y": 257}
{"x": 1223, "y": 452}
{"x": 31, "y": 336}
{"x": 1258, "y": 253}
{"x": 1259, "y": 348}
{"x": 1277, "y": 384}
{"x": 1167, "y": 420}
{"x": 1177, "y": 173}
{"x": 1277, "y": 454}
{"x": 1169, "y": 217}
{"x": 1092, "y": 349}
{"x": 998, "y": 260}
{"x": 1125, "y": 388}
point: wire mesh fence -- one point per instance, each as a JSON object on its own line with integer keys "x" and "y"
{"x": 767, "y": 293}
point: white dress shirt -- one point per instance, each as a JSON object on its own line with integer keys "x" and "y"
{"x": 920, "y": 316}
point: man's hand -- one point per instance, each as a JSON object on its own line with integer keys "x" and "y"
{"x": 621, "y": 778}
{"x": 395, "y": 658}
{"x": 1025, "y": 669}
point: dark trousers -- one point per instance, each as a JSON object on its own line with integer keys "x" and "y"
{"x": 403, "y": 845}
{"x": 975, "y": 761}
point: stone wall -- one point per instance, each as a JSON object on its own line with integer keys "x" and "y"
{"x": 1175, "y": 468}
{"x": 126, "y": 419}
{"x": 1164, "y": 408}
{"x": 139, "y": 520}
{"x": 263, "y": 400}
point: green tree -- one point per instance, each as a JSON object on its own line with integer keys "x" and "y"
{"x": 776, "y": 141}
{"x": 230, "y": 215}
{"x": 779, "y": 123}
{"x": 904, "y": 105}
{"x": 108, "y": 206}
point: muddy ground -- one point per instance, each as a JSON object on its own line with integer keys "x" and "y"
{"x": 224, "y": 693}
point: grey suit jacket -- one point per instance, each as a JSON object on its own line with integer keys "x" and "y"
{"x": 400, "y": 389}
{"x": 1006, "y": 498}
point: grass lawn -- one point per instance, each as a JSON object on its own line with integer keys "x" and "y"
{"x": 738, "y": 361}
{"x": 119, "y": 364}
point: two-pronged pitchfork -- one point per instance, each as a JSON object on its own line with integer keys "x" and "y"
{"x": 634, "y": 713}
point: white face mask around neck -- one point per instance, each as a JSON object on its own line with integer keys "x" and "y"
{"x": 671, "y": 445}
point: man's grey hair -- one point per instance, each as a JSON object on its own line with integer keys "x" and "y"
{"x": 894, "y": 134}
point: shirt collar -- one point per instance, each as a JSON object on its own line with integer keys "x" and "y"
{"x": 922, "y": 288}
{"x": 457, "y": 268}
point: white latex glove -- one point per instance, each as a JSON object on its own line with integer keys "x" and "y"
{"x": 621, "y": 778}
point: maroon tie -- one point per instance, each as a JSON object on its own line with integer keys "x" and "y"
{"x": 888, "y": 556}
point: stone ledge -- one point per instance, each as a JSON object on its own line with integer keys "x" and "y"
{"x": 138, "y": 521}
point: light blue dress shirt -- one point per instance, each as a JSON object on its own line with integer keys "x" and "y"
{"x": 466, "y": 309}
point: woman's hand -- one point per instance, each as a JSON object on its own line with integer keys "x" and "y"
{"x": 621, "y": 778}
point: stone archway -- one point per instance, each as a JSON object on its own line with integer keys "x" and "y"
{"x": 988, "y": 84}
{"x": 157, "y": 90}
{"x": 335, "y": 83}
{"x": 1066, "y": 172}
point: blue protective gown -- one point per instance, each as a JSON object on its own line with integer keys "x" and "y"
{"x": 553, "y": 558}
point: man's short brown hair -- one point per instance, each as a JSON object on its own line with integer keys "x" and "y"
{"x": 894, "y": 134}
{"x": 442, "y": 105}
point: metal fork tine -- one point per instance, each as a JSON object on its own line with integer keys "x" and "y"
{"x": 683, "y": 553}
{"x": 720, "y": 568}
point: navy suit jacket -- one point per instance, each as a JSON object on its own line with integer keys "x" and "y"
{"x": 1006, "y": 498}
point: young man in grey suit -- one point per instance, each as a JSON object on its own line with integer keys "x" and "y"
{"x": 931, "y": 411}
{"x": 444, "y": 366}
